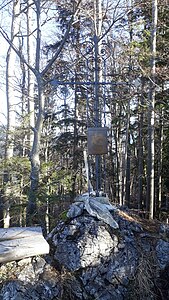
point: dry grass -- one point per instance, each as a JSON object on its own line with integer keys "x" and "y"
{"x": 142, "y": 286}
{"x": 151, "y": 226}
{"x": 126, "y": 216}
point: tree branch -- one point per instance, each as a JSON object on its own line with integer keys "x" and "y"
{"x": 45, "y": 70}
{"x": 112, "y": 24}
{"x": 5, "y": 36}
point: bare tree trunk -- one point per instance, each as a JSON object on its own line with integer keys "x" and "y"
{"x": 75, "y": 141}
{"x": 37, "y": 130}
{"x": 160, "y": 160}
{"x": 31, "y": 77}
{"x": 35, "y": 158}
{"x": 11, "y": 103}
{"x": 127, "y": 174}
{"x": 119, "y": 153}
{"x": 127, "y": 145}
{"x": 10, "y": 80}
{"x": 151, "y": 150}
{"x": 140, "y": 150}
{"x": 127, "y": 157}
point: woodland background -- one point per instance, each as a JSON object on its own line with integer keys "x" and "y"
{"x": 42, "y": 143}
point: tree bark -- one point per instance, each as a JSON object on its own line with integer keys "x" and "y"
{"x": 140, "y": 149}
{"x": 37, "y": 130}
{"x": 31, "y": 76}
{"x": 151, "y": 150}
{"x": 11, "y": 103}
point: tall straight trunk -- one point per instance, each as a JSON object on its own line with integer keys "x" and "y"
{"x": 11, "y": 103}
{"x": 35, "y": 158}
{"x": 75, "y": 139}
{"x": 98, "y": 78}
{"x": 127, "y": 146}
{"x": 37, "y": 130}
{"x": 11, "y": 80}
{"x": 23, "y": 99}
{"x": 111, "y": 179}
{"x": 140, "y": 149}
{"x": 151, "y": 114}
{"x": 31, "y": 77}
{"x": 32, "y": 139}
{"x": 119, "y": 159}
{"x": 23, "y": 152}
{"x": 127, "y": 174}
{"x": 127, "y": 157}
{"x": 160, "y": 160}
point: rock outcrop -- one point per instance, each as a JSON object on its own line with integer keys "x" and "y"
{"x": 89, "y": 259}
{"x": 111, "y": 263}
{"x": 29, "y": 279}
